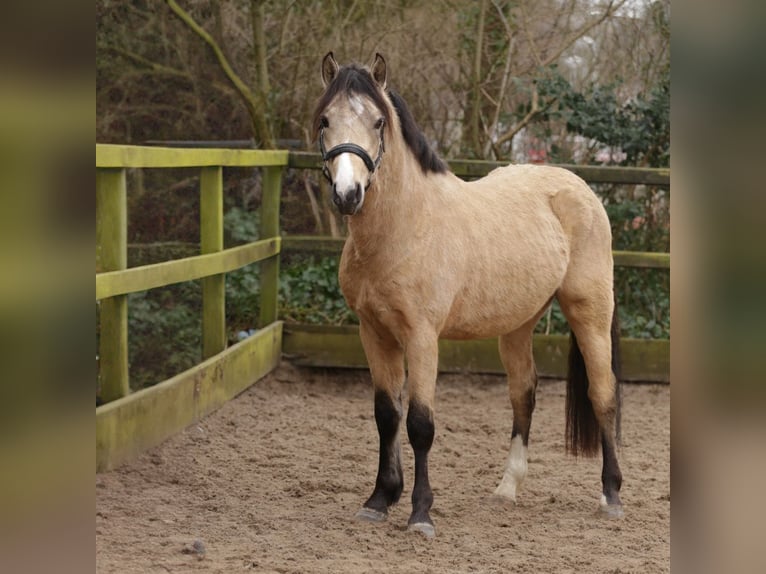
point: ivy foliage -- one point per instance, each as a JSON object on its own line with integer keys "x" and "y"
{"x": 639, "y": 127}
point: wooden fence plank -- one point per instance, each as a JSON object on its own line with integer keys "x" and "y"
{"x": 323, "y": 244}
{"x": 272, "y": 190}
{"x": 641, "y": 259}
{"x": 130, "y": 425}
{"x": 211, "y": 241}
{"x": 110, "y": 155}
{"x": 187, "y": 269}
{"x": 112, "y": 242}
{"x": 334, "y": 246}
{"x": 324, "y": 346}
{"x": 478, "y": 168}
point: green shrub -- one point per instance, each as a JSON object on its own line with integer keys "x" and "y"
{"x": 165, "y": 332}
{"x": 309, "y": 292}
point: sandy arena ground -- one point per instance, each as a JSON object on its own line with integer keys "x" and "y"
{"x": 271, "y": 481}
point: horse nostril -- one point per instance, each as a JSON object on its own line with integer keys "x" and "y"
{"x": 358, "y": 193}
{"x": 336, "y": 199}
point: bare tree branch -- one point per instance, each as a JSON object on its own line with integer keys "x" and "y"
{"x": 533, "y": 111}
{"x": 473, "y": 117}
{"x": 262, "y": 83}
{"x": 525, "y": 27}
{"x": 314, "y": 204}
{"x": 504, "y": 80}
{"x": 610, "y": 10}
{"x": 253, "y": 102}
{"x": 145, "y": 62}
{"x": 152, "y": 67}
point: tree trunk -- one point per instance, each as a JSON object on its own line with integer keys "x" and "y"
{"x": 259, "y": 48}
{"x": 471, "y": 133}
{"x": 255, "y": 102}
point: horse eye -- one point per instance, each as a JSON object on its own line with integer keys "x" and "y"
{"x": 324, "y": 122}
{"x": 379, "y": 123}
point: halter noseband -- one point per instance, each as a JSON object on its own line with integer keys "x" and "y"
{"x": 357, "y": 150}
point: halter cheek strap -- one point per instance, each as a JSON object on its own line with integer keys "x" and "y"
{"x": 357, "y": 150}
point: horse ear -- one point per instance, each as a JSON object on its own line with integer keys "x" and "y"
{"x": 329, "y": 69}
{"x": 379, "y": 71}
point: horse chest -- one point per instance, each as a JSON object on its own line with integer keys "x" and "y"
{"x": 388, "y": 303}
{"x": 370, "y": 298}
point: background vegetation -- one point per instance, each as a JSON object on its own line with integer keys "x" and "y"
{"x": 559, "y": 81}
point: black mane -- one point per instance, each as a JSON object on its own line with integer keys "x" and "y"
{"x": 356, "y": 80}
{"x": 428, "y": 159}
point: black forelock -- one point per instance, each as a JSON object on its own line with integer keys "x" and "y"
{"x": 351, "y": 79}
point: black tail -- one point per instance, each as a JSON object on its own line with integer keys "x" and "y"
{"x": 617, "y": 370}
{"x": 583, "y": 433}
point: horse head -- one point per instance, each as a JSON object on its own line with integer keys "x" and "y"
{"x": 350, "y": 123}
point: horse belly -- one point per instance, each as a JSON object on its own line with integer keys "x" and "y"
{"x": 480, "y": 321}
{"x": 502, "y": 303}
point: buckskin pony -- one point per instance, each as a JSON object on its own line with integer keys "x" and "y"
{"x": 430, "y": 256}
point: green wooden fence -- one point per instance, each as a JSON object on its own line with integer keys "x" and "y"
{"x": 130, "y": 423}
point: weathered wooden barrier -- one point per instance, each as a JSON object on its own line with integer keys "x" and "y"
{"x": 131, "y": 422}
{"x": 472, "y": 168}
{"x": 643, "y": 360}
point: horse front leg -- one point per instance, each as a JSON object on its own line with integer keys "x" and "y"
{"x": 385, "y": 357}
{"x": 422, "y": 361}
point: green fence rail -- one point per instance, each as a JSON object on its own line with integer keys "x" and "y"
{"x": 129, "y": 423}
{"x": 334, "y": 246}
{"x": 472, "y": 168}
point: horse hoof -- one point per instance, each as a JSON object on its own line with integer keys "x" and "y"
{"x": 500, "y": 501}
{"x": 424, "y": 528}
{"x": 611, "y": 511}
{"x": 505, "y": 491}
{"x": 369, "y": 515}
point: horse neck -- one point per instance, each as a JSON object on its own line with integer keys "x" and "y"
{"x": 396, "y": 205}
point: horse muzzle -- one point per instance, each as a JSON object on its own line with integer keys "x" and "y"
{"x": 349, "y": 201}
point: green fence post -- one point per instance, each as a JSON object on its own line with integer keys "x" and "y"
{"x": 211, "y": 241}
{"x": 272, "y": 188}
{"x": 112, "y": 242}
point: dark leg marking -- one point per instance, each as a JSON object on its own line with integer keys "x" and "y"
{"x": 420, "y": 429}
{"x": 390, "y": 481}
{"x": 522, "y": 413}
{"x": 611, "y": 477}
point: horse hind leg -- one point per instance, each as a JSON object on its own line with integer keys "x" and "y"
{"x": 593, "y": 400}
{"x": 516, "y": 355}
